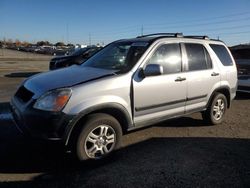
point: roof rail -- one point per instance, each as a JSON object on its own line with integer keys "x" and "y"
{"x": 162, "y": 34}
{"x": 197, "y": 37}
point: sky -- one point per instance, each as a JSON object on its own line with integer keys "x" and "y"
{"x": 103, "y": 21}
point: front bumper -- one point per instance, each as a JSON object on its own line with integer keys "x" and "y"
{"x": 38, "y": 123}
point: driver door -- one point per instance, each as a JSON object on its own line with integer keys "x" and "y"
{"x": 159, "y": 97}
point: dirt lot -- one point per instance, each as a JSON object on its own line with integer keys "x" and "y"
{"x": 16, "y": 66}
{"x": 177, "y": 153}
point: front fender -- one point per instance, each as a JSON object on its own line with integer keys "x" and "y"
{"x": 128, "y": 122}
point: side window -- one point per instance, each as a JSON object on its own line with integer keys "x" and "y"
{"x": 169, "y": 56}
{"x": 222, "y": 54}
{"x": 198, "y": 57}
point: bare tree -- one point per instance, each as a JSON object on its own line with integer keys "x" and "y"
{"x": 18, "y": 42}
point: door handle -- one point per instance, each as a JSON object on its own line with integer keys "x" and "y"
{"x": 180, "y": 79}
{"x": 215, "y": 74}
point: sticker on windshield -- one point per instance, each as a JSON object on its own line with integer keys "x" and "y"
{"x": 140, "y": 44}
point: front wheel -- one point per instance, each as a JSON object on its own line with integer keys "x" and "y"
{"x": 99, "y": 137}
{"x": 216, "y": 109}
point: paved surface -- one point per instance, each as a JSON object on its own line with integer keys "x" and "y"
{"x": 177, "y": 153}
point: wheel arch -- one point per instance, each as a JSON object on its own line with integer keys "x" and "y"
{"x": 114, "y": 109}
{"x": 225, "y": 91}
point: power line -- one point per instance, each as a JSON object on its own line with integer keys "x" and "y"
{"x": 134, "y": 30}
{"x": 236, "y": 33}
{"x": 201, "y": 24}
{"x": 199, "y": 20}
{"x": 171, "y": 24}
{"x": 222, "y": 28}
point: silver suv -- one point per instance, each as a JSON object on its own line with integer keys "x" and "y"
{"x": 127, "y": 85}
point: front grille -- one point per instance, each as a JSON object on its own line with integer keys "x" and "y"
{"x": 245, "y": 88}
{"x": 24, "y": 94}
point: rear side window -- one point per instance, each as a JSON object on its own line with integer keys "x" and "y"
{"x": 222, "y": 54}
{"x": 198, "y": 57}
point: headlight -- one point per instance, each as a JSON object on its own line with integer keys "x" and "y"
{"x": 54, "y": 100}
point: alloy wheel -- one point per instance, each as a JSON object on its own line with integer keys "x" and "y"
{"x": 218, "y": 109}
{"x": 100, "y": 141}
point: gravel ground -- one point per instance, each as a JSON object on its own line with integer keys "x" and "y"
{"x": 177, "y": 153}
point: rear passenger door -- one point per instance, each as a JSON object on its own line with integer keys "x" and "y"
{"x": 202, "y": 76}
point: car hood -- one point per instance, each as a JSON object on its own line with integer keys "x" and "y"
{"x": 66, "y": 77}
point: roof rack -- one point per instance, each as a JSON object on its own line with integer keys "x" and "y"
{"x": 197, "y": 37}
{"x": 162, "y": 34}
{"x": 178, "y": 35}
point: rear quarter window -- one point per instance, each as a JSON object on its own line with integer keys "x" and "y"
{"x": 222, "y": 54}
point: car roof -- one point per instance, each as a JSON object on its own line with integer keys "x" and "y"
{"x": 156, "y": 36}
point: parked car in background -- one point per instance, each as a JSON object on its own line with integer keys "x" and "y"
{"x": 61, "y": 52}
{"x": 76, "y": 57}
{"x": 45, "y": 50}
{"x": 241, "y": 55}
{"x": 243, "y": 66}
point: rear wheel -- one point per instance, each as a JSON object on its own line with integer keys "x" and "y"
{"x": 99, "y": 137}
{"x": 216, "y": 110}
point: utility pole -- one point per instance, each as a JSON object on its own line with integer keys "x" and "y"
{"x": 1, "y": 51}
{"x": 89, "y": 38}
{"x": 67, "y": 33}
{"x": 142, "y": 30}
{"x": 1, "y": 47}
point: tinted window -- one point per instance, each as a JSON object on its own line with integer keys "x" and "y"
{"x": 198, "y": 57}
{"x": 222, "y": 54}
{"x": 169, "y": 56}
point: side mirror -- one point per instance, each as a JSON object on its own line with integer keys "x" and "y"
{"x": 153, "y": 70}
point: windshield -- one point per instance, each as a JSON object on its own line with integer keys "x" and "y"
{"x": 120, "y": 56}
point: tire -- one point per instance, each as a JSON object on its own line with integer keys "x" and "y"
{"x": 216, "y": 110}
{"x": 99, "y": 137}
